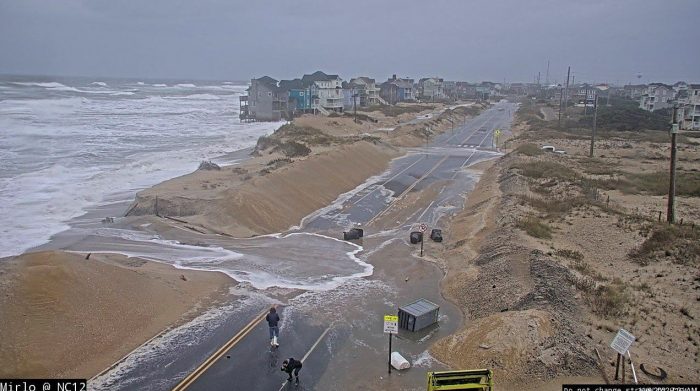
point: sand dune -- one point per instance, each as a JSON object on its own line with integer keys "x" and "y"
{"x": 249, "y": 204}
{"x": 65, "y": 316}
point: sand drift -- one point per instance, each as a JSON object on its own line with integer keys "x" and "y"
{"x": 298, "y": 260}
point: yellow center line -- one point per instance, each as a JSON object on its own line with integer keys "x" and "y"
{"x": 187, "y": 381}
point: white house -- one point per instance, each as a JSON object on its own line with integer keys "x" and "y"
{"x": 690, "y": 106}
{"x": 432, "y": 88}
{"x": 656, "y": 97}
{"x": 328, "y": 89}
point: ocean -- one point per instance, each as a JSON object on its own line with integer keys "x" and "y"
{"x": 71, "y": 144}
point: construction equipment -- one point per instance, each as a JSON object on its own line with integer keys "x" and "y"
{"x": 470, "y": 379}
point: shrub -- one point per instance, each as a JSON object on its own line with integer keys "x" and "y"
{"x": 529, "y": 150}
{"x": 546, "y": 169}
{"x": 610, "y": 300}
{"x": 293, "y": 149}
{"x": 535, "y": 228}
{"x": 571, "y": 254}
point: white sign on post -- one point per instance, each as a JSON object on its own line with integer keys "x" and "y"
{"x": 423, "y": 227}
{"x": 622, "y": 341}
{"x": 391, "y": 324}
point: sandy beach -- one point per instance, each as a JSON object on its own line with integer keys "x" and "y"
{"x": 71, "y": 317}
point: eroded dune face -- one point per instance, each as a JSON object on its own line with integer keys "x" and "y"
{"x": 64, "y": 315}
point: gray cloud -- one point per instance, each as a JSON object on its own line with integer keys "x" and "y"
{"x": 466, "y": 40}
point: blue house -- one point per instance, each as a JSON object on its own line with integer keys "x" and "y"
{"x": 301, "y": 96}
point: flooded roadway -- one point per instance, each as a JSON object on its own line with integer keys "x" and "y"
{"x": 324, "y": 284}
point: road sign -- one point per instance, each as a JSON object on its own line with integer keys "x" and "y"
{"x": 391, "y": 324}
{"x": 498, "y": 132}
{"x": 423, "y": 227}
{"x": 622, "y": 341}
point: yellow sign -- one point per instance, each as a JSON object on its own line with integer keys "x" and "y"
{"x": 498, "y": 132}
{"x": 391, "y": 318}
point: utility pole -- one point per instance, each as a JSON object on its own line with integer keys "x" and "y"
{"x": 354, "y": 104}
{"x": 671, "y": 212}
{"x": 595, "y": 120}
{"x": 566, "y": 94}
{"x": 561, "y": 95}
{"x": 546, "y": 79}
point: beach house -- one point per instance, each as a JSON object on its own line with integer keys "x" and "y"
{"x": 397, "y": 90}
{"x": 266, "y": 101}
{"x": 690, "y": 106}
{"x": 431, "y": 88}
{"x": 328, "y": 89}
{"x": 656, "y": 97}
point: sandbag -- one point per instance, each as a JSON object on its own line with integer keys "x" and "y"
{"x": 398, "y": 362}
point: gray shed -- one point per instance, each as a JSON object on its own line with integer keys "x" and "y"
{"x": 418, "y": 315}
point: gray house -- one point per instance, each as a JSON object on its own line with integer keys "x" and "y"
{"x": 266, "y": 101}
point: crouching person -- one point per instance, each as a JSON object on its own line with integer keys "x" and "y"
{"x": 291, "y": 365}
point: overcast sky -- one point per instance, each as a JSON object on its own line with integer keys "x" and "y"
{"x": 474, "y": 40}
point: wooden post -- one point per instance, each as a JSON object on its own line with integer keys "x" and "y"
{"x": 421, "y": 245}
{"x": 660, "y": 216}
{"x": 617, "y": 367}
{"x": 623, "y": 369}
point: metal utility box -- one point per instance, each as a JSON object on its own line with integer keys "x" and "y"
{"x": 416, "y": 237}
{"x": 418, "y": 315}
{"x": 353, "y": 234}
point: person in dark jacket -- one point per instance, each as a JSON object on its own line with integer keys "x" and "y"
{"x": 272, "y": 320}
{"x": 290, "y": 365}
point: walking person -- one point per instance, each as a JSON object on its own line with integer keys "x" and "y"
{"x": 291, "y": 365}
{"x": 273, "y": 319}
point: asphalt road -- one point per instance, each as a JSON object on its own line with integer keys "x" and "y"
{"x": 443, "y": 158}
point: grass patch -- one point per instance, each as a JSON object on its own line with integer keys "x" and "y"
{"x": 554, "y": 207}
{"x": 570, "y": 254}
{"x": 655, "y": 183}
{"x": 610, "y": 300}
{"x": 529, "y": 150}
{"x": 681, "y": 243}
{"x": 535, "y": 228}
{"x": 546, "y": 169}
{"x": 292, "y": 149}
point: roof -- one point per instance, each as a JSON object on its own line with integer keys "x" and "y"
{"x": 295, "y": 84}
{"x": 318, "y": 76}
{"x": 695, "y": 86}
{"x": 267, "y": 80}
{"x": 363, "y": 79}
{"x": 420, "y": 307}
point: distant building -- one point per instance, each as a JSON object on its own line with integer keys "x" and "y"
{"x": 432, "y": 88}
{"x": 656, "y": 97}
{"x": 266, "y": 101}
{"x": 634, "y": 91}
{"x": 367, "y": 90}
{"x": 302, "y": 98}
{"x": 329, "y": 90}
{"x": 690, "y": 106}
{"x": 397, "y": 90}
{"x": 465, "y": 90}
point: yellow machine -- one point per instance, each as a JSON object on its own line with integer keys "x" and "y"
{"x": 471, "y": 379}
